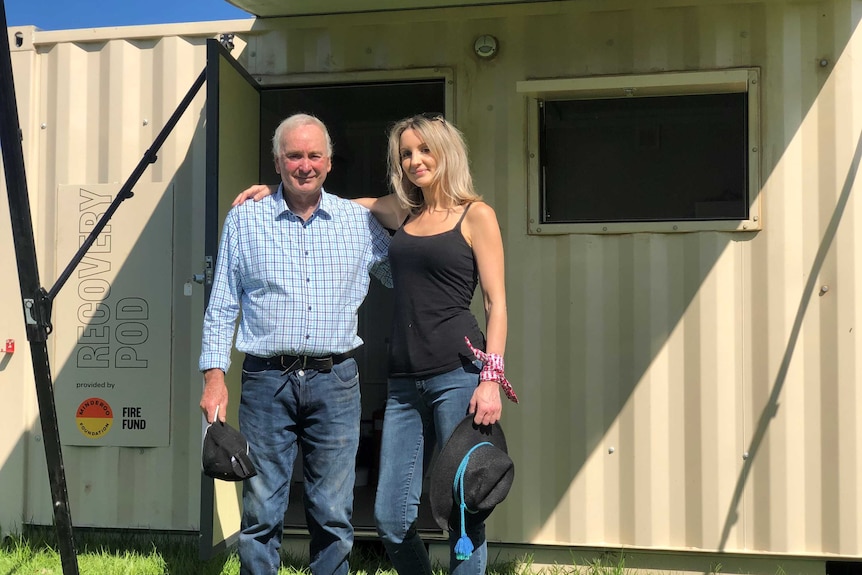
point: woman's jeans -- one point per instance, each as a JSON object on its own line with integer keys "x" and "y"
{"x": 320, "y": 411}
{"x": 420, "y": 413}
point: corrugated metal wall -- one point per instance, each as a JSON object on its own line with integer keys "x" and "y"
{"x": 91, "y": 103}
{"x": 651, "y": 364}
{"x": 688, "y": 391}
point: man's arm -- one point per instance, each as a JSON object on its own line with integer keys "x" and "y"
{"x": 219, "y": 323}
{"x": 380, "y": 267}
{"x": 214, "y": 395}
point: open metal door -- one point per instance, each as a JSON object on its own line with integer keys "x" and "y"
{"x": 233, "y": 162}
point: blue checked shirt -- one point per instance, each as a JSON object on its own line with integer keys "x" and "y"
{"x": 299, "y": 284}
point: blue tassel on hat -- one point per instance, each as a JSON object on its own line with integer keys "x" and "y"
{"x": 464, "y": 547}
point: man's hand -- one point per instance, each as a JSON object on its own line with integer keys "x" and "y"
{"x": 485, "y": 405}
{"x": 214, "y": 395}
{"x": 256, "y": 192}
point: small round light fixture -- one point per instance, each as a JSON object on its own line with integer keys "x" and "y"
{"x": 485, "y": 46}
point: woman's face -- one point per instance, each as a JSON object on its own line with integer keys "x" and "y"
{"x": 416, "y": 159}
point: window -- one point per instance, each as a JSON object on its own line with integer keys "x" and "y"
{"x": 656, "y": 153}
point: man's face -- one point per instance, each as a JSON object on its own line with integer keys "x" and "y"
{"x": 304, "y": 162}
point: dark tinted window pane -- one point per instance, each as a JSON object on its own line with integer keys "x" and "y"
{"x": 645, "y": 159}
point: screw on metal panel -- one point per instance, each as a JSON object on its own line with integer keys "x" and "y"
{"x": 745, "y": 455}
{"x": 44, "y": 125}
{"x": 611, "y": 450}
{"x": 824, "y": 289}
{"x": 824, "y": 62}
{"x": 146, "y": 122}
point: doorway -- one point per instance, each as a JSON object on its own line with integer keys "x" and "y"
{"x": 358, "y": 116}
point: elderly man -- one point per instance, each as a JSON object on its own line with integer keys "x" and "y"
{"x": 297, "y": 264}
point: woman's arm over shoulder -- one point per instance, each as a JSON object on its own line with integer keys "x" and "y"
{"x": 386, "y": 209}
{"x": 257, "y": 192}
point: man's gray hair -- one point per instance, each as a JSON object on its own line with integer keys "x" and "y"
{"x": 293, "y": 122}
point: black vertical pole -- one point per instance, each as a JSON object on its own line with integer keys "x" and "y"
{"x": 36, "y": 305}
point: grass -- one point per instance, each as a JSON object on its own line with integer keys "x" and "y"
{"x": 104, "y": 552}
{"x": 108, "y": 552}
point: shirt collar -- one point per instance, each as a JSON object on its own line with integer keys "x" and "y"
{"x": 324, "y": 207}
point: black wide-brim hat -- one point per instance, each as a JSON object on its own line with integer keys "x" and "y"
{"x": 487, "y": 474}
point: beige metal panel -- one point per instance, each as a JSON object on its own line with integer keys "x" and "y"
{"x": 274, "y": 8}
{"x": 679, "y": 391}
{"x": 100, "y": 106}
{"x": 645, "y": 362}
{"x": 186, "y": 30}
{"x": 16, "y": 371}
{"x": 802, "y": 490}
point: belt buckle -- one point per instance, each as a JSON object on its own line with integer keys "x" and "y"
{"x": 288, "y": 368}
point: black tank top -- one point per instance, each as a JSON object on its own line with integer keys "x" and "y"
{"x": 434, "y": 278}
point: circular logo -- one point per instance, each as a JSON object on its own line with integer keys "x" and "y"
{"x": 94, "y": 417}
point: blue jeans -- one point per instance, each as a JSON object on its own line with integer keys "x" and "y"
{"x": 320, "y": 412}
{"x": 420, "y": 414}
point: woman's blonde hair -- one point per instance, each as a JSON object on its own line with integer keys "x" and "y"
{"x": 446, "y": 143}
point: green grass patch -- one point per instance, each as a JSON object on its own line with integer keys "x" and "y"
{"x": 108, "y": 552}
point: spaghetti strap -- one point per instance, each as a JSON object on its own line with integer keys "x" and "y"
{"x": 461, "y": 219}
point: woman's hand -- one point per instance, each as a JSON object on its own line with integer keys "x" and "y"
{"x": 485, "y": 405}
{"x": 256, "y": 192}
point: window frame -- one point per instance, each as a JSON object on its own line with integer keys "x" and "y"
{"x": 737, "y": 80}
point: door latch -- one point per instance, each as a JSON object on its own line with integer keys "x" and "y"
{"x": 207, "y": 276}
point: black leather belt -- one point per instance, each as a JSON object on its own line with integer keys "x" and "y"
{"x": 294, "y": 362}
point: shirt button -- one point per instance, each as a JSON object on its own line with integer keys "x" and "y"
{"x": 307, "y": 336}
{"x": 309, "y": 308}
{"x": 307, "y": 280}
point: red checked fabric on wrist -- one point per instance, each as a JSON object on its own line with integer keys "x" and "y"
{"x": 493, "y": 370}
